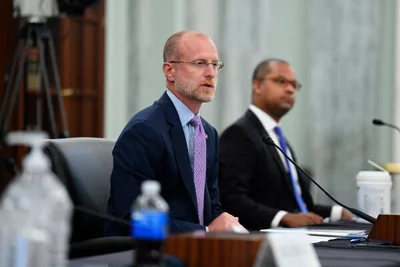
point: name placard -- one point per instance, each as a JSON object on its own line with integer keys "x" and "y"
{"x": 287, "y": 250}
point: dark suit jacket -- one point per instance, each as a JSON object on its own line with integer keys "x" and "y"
{"x": 253, "y": 181}
{"x": 153, "y": 146}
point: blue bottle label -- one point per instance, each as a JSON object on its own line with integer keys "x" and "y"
{"x": 149, "y": 225}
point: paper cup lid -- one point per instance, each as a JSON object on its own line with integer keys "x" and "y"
{"x": 373, "y": 176}
{"x": 392, "y": 167}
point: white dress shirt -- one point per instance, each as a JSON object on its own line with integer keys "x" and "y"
{"x": 269, "y": 124}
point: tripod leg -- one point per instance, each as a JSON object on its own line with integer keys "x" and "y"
{"x": 7, "y": 86}
{"x": 13, "y": 99}
{"x": 43, "y": 71}
{"x": 11, "y": 70}
{"x": 58, "y": 86}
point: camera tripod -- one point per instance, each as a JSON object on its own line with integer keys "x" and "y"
{"x": 40, "y": 34}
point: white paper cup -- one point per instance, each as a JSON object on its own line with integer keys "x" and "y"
{"x": 373, "y": 192}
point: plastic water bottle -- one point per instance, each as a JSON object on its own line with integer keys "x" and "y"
{"x": 32, "y": 247}
{"x": 22, "y": 243}
{"x": 40, "y": 194}
{"x": 149, "y": 225}
{"x": 23, "y": 239}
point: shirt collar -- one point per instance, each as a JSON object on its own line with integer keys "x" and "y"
{"x": 266, "y": 120}
{"x": 184, "y": 113}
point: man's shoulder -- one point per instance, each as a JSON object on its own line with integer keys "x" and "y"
{"x": 152, "y": 117}
{"x": 242, "y": 124}
{"x": 244, "y": 130}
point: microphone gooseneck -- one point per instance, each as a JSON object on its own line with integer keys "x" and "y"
{"x": 379, "y": 122}
{"x": 266, "y": 139}
{"x": 105, "y": 217}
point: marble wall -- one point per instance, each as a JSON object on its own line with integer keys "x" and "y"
{"x": 347, "y": 89}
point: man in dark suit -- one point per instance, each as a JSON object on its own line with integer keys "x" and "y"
{"x": 169, "y": 142}
{"x": 257, "y": 183}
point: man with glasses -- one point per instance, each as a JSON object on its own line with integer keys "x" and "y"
{"x": 171, "y": 143}
{"x": 257, "y": 183}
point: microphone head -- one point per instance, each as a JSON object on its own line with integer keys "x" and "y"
{"x": 377, "y": 122}
{"x": 267, "y": 139}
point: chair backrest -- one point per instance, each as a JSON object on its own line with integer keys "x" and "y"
{"x": 89, "y": 161}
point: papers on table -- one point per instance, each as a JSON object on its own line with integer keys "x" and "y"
{"x": 319, "y": 235}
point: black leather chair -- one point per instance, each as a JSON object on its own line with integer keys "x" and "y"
{"x": 84, "y": 165}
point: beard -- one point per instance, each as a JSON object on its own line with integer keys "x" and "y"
{"x": 193, "y": 91}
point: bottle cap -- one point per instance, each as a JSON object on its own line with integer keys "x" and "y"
{"x": 150, "y": 187}
{"x": 36, "y": 160}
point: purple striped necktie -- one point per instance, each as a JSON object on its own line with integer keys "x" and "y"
{"x": 199, "y": 164}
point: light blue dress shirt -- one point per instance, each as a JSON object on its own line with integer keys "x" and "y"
{"x": 185, "y": 115}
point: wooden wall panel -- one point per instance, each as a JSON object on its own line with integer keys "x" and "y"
{"x": 79, "y": 43}
{"x": 101, "y": 68}
{"x": 8, "y": 29}
{"x": 81, "y": 54}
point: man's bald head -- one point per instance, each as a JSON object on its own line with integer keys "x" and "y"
{"x": 172, "y": 45}
{"x": 264, "y": 68}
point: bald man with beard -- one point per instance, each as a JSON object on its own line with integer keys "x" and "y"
{"x": 171, "y": 143}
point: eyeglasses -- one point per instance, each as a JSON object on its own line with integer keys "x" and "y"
{"x": 284, "y": 82}
{"x": 202, "y": 64}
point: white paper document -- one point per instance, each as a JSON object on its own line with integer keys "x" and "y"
{"x": 319, "y": 235}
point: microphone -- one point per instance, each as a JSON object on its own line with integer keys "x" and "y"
{"x": 102, "y": 245}
{"x": 102, "y": 216}
{"x": 378, "y": 122}
{"x": 266, "y": 139}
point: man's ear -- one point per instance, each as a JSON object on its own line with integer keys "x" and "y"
{"x": 256, "y": 85}
{"x": 169, "y": 71}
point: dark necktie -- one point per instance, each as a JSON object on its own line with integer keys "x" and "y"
{"x": 283, "y": 145}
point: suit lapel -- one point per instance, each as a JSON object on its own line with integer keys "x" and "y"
{"x": 301, "y": 180}
{"x": 282, "y": 168}
{"x": 182, "y": 159}
{"x": 270, "y": 149}
{"x": 207, "y": 200}
{"x": 180, "y": 147}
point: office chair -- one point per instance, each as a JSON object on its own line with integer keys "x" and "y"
{"x": 84, "y": 165}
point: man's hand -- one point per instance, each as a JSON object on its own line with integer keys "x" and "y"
{"x": 347, "y": 215}
{"x": 224, "y": 222}
{"x": 300, "y": 219}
